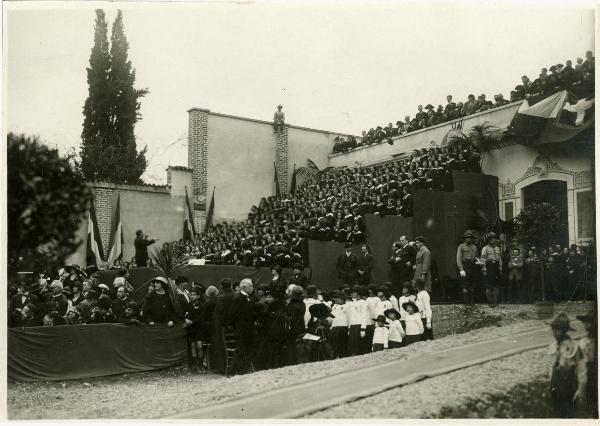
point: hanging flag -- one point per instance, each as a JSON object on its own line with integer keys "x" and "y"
{"x": 115, "y": 252}
{"x": 189, "y": 231}
{"x": 209, "y": 215}
{"x": 277, "y": 189}
{"x": 94, "y": 254}
{"x": 556, "y": 118}
{"x": 293, "y": 186}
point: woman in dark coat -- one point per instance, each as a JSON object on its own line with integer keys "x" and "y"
{"x": 271, "y": 332}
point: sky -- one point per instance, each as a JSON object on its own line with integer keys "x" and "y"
{"x": 336, "y": 67}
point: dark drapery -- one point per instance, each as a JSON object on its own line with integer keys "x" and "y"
{"x": 82, "y": 351}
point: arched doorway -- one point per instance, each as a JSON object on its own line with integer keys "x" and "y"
{"x": 555, "y": 193}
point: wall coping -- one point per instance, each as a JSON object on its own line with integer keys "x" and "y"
{"x": 447, "y": 123}
{"x": 182, "y": 168}
{"x": 163, "y": 189}
{"x": 270, "y": 123}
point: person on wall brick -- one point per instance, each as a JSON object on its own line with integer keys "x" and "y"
{"x": 278, "y": 119}
{"x": 466, "y": 261}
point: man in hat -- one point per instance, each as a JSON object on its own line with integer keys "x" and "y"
{"x": 423, "y": 263}
{"x": 365, "y": 266}
{"x": 466, "y": 261}
{"x": 278, "y": 119}
{"x": 299, "y": 278}
{"x": 241, "y": 316}
{"x": 491, "y": 268}
{"x": 347, "y": 265}
{"x": 421, "y": 115}
{"x": 141, "y": 244}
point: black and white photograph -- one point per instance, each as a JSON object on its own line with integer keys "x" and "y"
{"x": 224, "y": 211}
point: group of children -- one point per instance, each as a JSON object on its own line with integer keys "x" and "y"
{"x": 370, "y": 319}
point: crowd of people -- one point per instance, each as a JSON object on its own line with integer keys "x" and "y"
{"x": 561, "y": 77}
{"x": 519, "y": 274}
{"x": 282, "y": 322}
{"x": 331, "y": 209}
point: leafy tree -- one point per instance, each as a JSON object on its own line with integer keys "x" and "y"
{"x": 537, "y": 225}
{"x": 47, "y": 200}
{"x": 108, "y": 150}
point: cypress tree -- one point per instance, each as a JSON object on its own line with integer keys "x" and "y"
{"x": 97, "y": 132}
{"x": 108, "y": 150}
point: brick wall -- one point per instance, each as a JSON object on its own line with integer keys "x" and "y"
{"x": 281, "y": 159}
{"x": 198, "y": 160}
{"x": 103, "y": 203}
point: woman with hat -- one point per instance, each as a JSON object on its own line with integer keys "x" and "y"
{"x": 159, "y": 307}
{"x": 567, "y": 368}
{"x": 413, "y": 323}
{"x": 491, "y": 268}
{"x": 277, "y": 280}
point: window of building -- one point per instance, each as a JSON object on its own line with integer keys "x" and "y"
{"x": 508, "y": 211}
{"x": 585, "y": 214}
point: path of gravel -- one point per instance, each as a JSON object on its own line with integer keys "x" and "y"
{"x": 142, "y": 395}
{"x": 425, "y": 399}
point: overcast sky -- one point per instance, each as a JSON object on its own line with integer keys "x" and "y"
{"x": 341, "y": 68}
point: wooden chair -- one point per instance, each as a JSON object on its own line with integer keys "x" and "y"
{"x": 230, "y": 343}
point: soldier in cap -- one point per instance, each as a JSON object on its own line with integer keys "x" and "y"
{"x": 278, "y": 119}
{"x": 491, "y": 268}
{"x": 466, "y": 261}
{"x": 423, "y": 263}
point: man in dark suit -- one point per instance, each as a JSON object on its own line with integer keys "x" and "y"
{"x": 241, "y": 316}
{"x": 18, "y": 302}
{"x": 346, "y": 265}
{"x": 299, "y": 278}
{"x": 141, "y": 244}
{"x": 119, "y": 304}
{"x": 220, "y": 319}
{"x": 365, "y": 266}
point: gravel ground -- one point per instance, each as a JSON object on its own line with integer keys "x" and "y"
{"x": 140, "y": 395}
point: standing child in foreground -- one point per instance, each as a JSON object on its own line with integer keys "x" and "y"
{"x": 396, "y": 332}
{"x": 356, "y": 309}
{"x": 339, "y": 326}
{"x": 381, "y": 335}
{"x": 371, "y": 300}
{"x": 567, "y": 369}
{"x": 414, "y": 323}
{"x": 424, "y": 304}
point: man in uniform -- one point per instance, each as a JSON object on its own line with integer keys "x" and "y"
{"x": 346, "y": 265}
{"x": 278, "y": 119}
{"x": 423, "y": 263}
{"x": 466, "y": 261}
{"x": 491, "y": 268}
